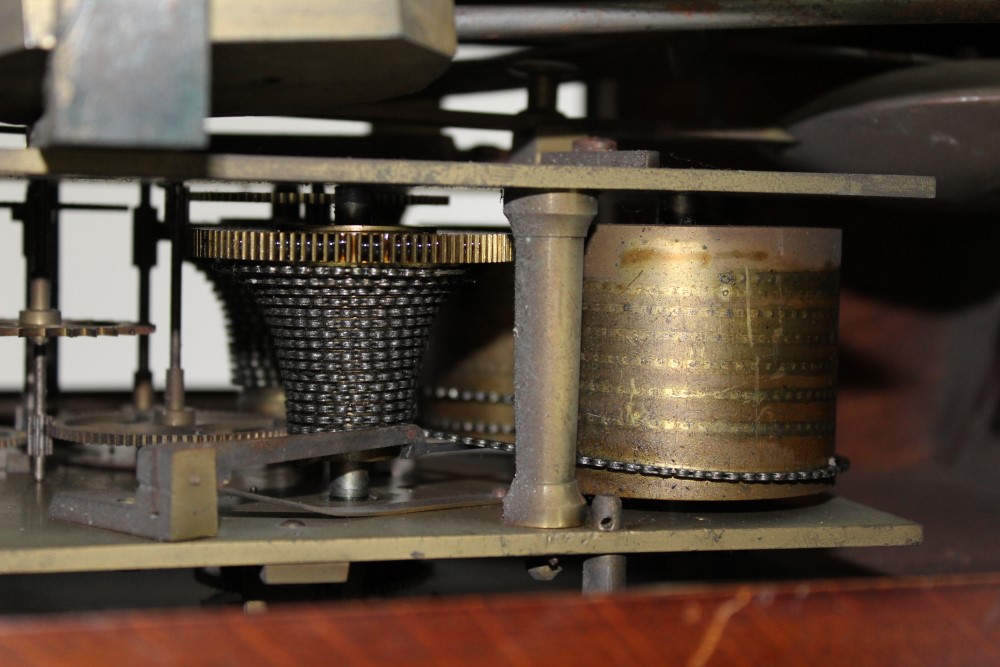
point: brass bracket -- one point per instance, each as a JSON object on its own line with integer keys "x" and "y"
{"x": 176, "y": 498}
{"x": 177, "y": 495}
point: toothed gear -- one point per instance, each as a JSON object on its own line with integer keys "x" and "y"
{"x": 351, "y": 246}
{"x": 125, "y": 428}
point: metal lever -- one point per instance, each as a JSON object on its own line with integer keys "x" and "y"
{"x": 375, "y": 508}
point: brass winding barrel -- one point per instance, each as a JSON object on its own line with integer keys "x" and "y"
{"x": 712, "y": 351}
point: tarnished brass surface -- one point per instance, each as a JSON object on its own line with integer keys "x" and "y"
{"x": 549, "y": 231}
{"x": 32, "y": 542}
{"x": 305, "y": 573}
{"x": 304, "y": 57}
{"x": 268, "y": 57}
{"x": 128, "y": 428}
{"x": 315, "y": 198}
{"x": 281, "y": 169}
{"x": 711, "y": 348}
{"x": 192, "y": 509}
{"x": 350, "y": 246}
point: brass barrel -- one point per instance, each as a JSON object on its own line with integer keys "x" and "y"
{"x": 709, "y": 350}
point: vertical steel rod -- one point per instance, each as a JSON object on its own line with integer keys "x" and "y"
{"x": 174, "y": 412}
{"x": 52, "y": 353}
{"x": 603, "y": 575}
{"x": 39, "y": 444}
{"x": 144, "y": 258}
{"x": 175, "y": 194}
{"x": 549, "y": 231}
{"x": 41, "y": 251}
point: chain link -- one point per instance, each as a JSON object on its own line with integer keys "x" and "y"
{"x": 835, "y": 466}
{"x": 468, "y": 395}
{"x": 348, "y": 340}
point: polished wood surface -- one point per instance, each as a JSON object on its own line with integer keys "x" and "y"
{"x": 915, "y": 621}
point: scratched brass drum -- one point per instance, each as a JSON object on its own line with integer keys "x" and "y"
{"x": 709, "y": 359}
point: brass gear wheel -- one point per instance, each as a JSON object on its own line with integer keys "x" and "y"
{"x": 351, "y": 246}
{"x": 10, "y": 437}
{"x": 349, "y": 309}
{"x": 127, "y": 428}
{"x": 74, "y": 328}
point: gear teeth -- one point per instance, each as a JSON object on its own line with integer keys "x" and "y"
{"x": 123, "y": 430}
{"x": 351, "y": 246}
{"x": 10, "y": 437}
{"x": 73, "y": 329}
{"x": 349, "y": 302}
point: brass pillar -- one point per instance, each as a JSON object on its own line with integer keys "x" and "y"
{"x": 549, "y": 231}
